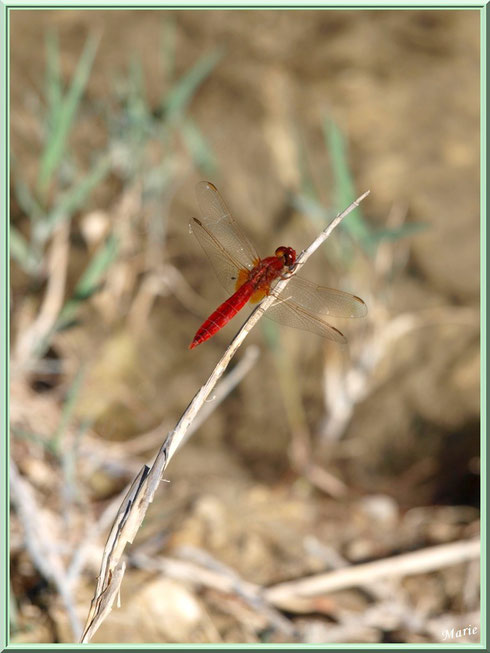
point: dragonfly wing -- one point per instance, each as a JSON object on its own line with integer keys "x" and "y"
{"x": 218, "y": 221}
{"x": 226, "y": 266}
{"x": 293, "y": 315}
{"x": 321, "y": 301}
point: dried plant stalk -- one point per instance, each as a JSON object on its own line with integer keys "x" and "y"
{"x": 140, "y": 495}
{"x": 32, "y": 338}
{"x": 287, "y": 595}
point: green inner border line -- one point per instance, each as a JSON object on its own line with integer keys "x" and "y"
{"x": 5, "y": 300}
{"x": 255, "y": 4}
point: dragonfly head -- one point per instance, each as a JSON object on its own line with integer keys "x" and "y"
{"x": 287, "y": 254}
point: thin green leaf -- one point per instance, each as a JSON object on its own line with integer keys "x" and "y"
{"x": 168, "y": 48}
{"x": 73, "y": 199}
{"x": 312, "y": 208}
{"x": 397, "y": 233}
{"x": 271, "y": 334}
{"x": 58, "y": 137}
{"x": 23, "y": 434}
{"x": 306, "y": 180}
{"x": 68, "y": 407}
{"x": 54, "y": 90}
{"x": 89, "y": 282}
{"x": 199, "y": 149}
{"x": 19, "y": 249}
{"x": 182, "y": 92}
{"x": 26, "y": 200}
{"x": 356, "y": 226}
{"x": 138, "y": 105}
{"x": 320, "y": 216}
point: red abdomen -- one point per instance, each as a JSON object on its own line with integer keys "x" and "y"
{"x": 223, "y": 314}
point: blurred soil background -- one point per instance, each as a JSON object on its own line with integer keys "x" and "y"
{"x": 320, "y": 457}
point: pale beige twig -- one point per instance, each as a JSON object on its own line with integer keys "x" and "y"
{"x": 30, "y": 341}
{"x": 299, "y": 596}
{"x": 285, "y": 595}
{"x": 381, "y": 590}
{"x": 368, "y": 625}
{"x": 39, "y": 544}
{"x": 136, "y": 503}
{"x": 324, "y": 480}
{"x": 348, "y": 385}
{"x": 224, "y": 387}
{"x": 221, "y": 579}
{"x": 163, "y": 281}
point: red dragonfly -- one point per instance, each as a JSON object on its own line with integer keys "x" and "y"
{"x": 250, "y": 278}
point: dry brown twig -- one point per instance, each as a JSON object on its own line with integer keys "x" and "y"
{"x": 165, "y": 280}
{"x": 31, "y": 338}
{"x": 42, "y": 549}
{"x": 219, "y": 578}
{"x": 287, "y": 595}
{"x": 390, "y": 611}
{"x": 140, "y": 495}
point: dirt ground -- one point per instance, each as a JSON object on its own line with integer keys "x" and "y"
{"x": 322, "y": 457}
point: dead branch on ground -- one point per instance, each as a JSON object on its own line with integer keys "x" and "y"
{"x": 287, "y": 595}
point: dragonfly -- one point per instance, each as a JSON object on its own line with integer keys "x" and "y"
{"x": 249, "y": 278}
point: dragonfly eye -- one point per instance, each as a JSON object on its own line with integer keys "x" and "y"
{"x": 288, "y": 254}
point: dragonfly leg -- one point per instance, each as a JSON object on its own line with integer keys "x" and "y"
{"x": 290, "y": 272}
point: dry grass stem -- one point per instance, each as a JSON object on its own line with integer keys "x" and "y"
{"x": 225, "y": 581}
{"x": 347, "y": 385}
{"x": 286, "y": 595}
{"x": 324, "y": 480}
{"x": 391, "y": 610}
{"x": 33, "y": 337}
{"x": 38, "y": 541}
{"x": 165, "y": 280}
{"x": 136, "y": 502}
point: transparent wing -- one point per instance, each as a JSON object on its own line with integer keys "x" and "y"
{"x": 290, "y": 314}
{"x": 226, "y": 266}
{"x": 322, "y": 302}
{"x": 306, "y": 305}
{"x": 224, "y": 243}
